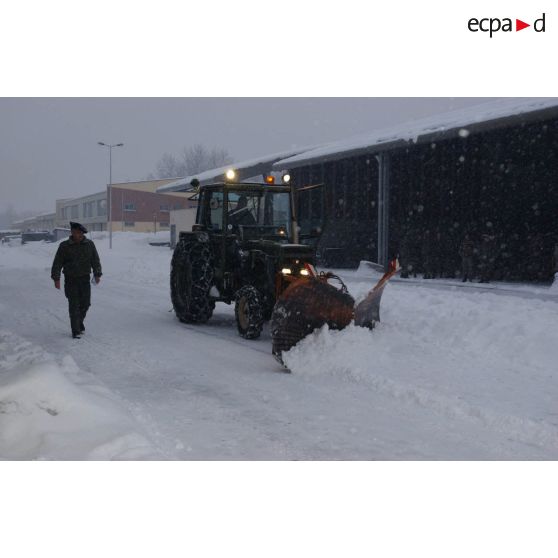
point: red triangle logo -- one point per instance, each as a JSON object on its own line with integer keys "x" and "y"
{"x": 519, "y": 25}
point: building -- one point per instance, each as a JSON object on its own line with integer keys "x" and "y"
{"x": 136, "y": 207}
{"x": 181, "y": 220}
{"x": 43, "y": 222}
{"x": 415, "y": 190}
{"x": 89, "y": 210}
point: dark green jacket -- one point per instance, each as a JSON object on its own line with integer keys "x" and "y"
{"x": 76, "y": 259}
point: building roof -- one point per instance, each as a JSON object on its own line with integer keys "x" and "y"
{"x": 87, "y": 197}
{"x": 49, "y": 215}
{"x": 144, "y": 185}
{"x": 245, "y": 169}
{"x": 442, "y": 126}
{"x": 42, "y": 216}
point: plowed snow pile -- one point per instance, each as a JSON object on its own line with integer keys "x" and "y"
{"x": 47, "y": 412}
{"x": 488, "y": 359}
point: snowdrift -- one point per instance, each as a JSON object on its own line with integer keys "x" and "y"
{"x": 47, "y": 412}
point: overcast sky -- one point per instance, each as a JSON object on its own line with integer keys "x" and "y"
{"x": 49, "y": 146}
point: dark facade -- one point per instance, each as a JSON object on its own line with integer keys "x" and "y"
{"x": 496, "y": 183}
{"x": 347, "y": 207}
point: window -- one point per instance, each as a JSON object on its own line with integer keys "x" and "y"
{"x": 164, "y": 208}
{"x": 129, "y": 223}
{"x": 101, "y": 207}
{"x": 129, "y": 207}
{"x": 74, "y": 212}
{"x": 88, "y": 208}
{"x": 164, "y": 224}
{"x": 177, "y": 206}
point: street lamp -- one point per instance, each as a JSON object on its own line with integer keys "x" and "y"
{"x": 110, "y": 146}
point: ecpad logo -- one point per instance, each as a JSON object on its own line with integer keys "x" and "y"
{"x": 493, "y": 25}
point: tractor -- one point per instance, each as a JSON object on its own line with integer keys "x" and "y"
{"x": 243, "y": 249}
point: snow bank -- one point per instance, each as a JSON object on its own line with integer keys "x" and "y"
{"x": 466, "y": 355}
{"x": 132, "y": 259}
{"x": 26, "y": 256}
{"x": 48, "y": 412}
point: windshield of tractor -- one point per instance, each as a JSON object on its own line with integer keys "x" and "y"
{"x": 259, "y": 214}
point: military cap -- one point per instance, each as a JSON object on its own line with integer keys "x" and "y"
{"x": 78, "y": 226}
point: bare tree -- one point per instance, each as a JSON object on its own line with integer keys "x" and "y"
{"x": 7, "y": 217}
{"x": 218, "y": 157}
{"x": 198, "y": 158}
{"x": 10, "y": 215}
{"x": 169, "y": 167}
{"x": 192, "y": 160}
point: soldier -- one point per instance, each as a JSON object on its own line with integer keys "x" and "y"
{"x": 467, "y": 252}
{"x": 76, "y": 257}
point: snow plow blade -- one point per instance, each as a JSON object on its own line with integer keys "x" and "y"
{"x": 308, "y": 304}
{"x": 367, "y": 312}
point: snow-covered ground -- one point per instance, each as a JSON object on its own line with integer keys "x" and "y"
{"x": 451, "y": 372}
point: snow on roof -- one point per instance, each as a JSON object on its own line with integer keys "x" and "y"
{"x": 412, "y": 131}
{"x": 40, "y": 216}
{"x": 245, "y": 169}
{"x": 49, "y": 215}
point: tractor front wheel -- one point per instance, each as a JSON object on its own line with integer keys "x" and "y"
{"x": 249, "y": 312}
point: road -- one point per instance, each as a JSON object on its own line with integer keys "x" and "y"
{"x": 202, "y": 392}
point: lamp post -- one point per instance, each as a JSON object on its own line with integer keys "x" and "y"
{"x": 110, "y": 146}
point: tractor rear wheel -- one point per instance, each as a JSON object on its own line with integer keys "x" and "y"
{"x": 249, "y": 312}
{"x": 191, "y": 279}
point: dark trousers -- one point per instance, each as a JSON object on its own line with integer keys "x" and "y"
{"x": 467, "y": 267}
{"x": 78, "y": 293}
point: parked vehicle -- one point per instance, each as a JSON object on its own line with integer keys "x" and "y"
{"x": 35, "y": 236}
{"x": 11, "y": 239}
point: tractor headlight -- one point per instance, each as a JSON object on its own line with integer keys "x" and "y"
{"x": 286, "y": 178}
{"x": 304, "y": 272}
{"x": 286, "y": 271}
{"x": 230, "y": 174}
